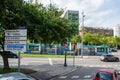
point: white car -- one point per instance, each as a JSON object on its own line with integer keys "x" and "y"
{"x": 15, "y": 76}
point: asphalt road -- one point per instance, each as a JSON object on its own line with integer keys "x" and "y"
{"x": 88, "y": 65}
{"x": 84, "y": 62}
{"x": 83, "y": 73}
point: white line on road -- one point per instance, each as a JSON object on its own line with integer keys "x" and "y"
{"x": 63, "y": 77}
{"x": 50, "y": 61}
{"x": 75, "y": 77}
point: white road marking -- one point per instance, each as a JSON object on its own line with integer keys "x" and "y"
{"x": 87, "y": 76}
{"x": 50, "y": 61}
{"x": 100, "y": 65}
{"x": 75, "y": 77}
{"x": 63, "y": 77}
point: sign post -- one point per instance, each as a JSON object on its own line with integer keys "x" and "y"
{"x": 16, "y": 40}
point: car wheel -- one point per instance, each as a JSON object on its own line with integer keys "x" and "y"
{"x": 117, "y": 60}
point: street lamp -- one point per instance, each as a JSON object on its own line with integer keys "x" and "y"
{"x": 65, "y": 62}
{"x": 82, "y": 27}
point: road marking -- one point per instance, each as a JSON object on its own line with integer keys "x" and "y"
{"x": 100, "y": 65}
{"x": 85, "y": 79}
{"x": 50, "y": 61}
{"x": 75, "y": 77}
{"x": 63, "y": 77}
{"x": 87, "y": 76}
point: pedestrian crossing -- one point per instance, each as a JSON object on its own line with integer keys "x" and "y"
{"x": 117, "y": 65}
{"x": 76, "y": 77}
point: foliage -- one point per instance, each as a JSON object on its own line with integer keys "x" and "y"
{"x": 95, "y": 39}
{"x": 76, "y": 38}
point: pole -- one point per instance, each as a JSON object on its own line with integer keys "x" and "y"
{"x": 65, "y": 61}
{"x": 18, "y": 61}
{"x": 74, "y": 60}
{"x": 82, "y": 33}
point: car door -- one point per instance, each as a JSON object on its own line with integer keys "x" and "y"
{"x": 110, "y": 57}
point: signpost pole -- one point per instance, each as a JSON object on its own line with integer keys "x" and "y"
{"x": 18, "y": 61}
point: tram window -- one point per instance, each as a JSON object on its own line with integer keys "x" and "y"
{"x": 100, "y": 50}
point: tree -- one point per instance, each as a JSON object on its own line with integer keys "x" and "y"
{"x": 76, "y": 39}
{"x": 44, "y": 24}
{"x": 10, "y": 18}
{"x": 51, "y": 27}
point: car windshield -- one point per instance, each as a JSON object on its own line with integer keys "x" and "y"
{"x": 105, "y": 76}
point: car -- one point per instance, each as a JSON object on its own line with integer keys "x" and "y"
{"x": 113, "y": 50}
{"x": 107, "y": 74}
{"x": 15, "y": 76}
{"x": 12, "y": 55}
{"x": 109, "y": 57}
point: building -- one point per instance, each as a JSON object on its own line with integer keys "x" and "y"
{"x": 72, "y": 16}
{"x": 98, "y": 30}
{"x": 34, "y": 1}
{"x": 117, "y": 30}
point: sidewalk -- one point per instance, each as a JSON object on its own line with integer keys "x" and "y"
{"x": 47, "y": 72}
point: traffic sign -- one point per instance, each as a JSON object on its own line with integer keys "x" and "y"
{"x": 15, "y": 39}
{"x": 15, "y": 42}
{"x": 14, "y": 46}
{"x": 17, "y": 32}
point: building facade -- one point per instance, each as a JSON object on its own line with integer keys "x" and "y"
{"x": 117, "y": 30}
{"x": 34, "y": 1}
{"x": 72, "y": 16}
{"x": 98, "y": 30}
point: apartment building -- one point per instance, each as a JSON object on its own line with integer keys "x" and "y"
{"x": 98, "y": 30}
{"x": 117, "y": 30}
{"x": 72, "y": 16}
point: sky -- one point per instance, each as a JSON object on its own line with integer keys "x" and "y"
{"x": 98, "y": 13}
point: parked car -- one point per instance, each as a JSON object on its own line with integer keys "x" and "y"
{"x": 15, "y": 76}
{"x": 12, "y": 55}
{"x": 107, "y": 74}
{"x": 113, "y": 50}
{"x": 109, "y": 57}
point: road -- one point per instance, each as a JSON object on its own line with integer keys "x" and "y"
{"x": 86, "y": 62}
{"x": 83, "y": 73}
{"x": 88, "y": 66}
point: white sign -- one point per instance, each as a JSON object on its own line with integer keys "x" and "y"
{"x": 78, "y": 45}
{"x": 15, "y": 42}
{"x": 15, "y": 38}
{"x": 18, "y": 32}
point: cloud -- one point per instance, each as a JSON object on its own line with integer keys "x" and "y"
{"x": 97, "y": 12}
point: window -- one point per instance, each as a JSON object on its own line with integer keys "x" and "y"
{"x": 105, "y": 75}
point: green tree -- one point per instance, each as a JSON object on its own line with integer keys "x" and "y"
{"x": 76, "y": 39}
{"x": 10, "y": 18}
{"x": 44, "y": 24}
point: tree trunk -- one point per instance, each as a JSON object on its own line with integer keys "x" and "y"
{"x": 4, "y": 55}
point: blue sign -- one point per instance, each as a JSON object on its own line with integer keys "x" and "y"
{"x": 14, "y": 46}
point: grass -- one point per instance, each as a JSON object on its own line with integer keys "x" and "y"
{"x": 44, "y": 55}
{"x": 26, "y": 71}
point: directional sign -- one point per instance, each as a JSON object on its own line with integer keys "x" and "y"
{"x": 15, "y": 46}
{"x": 17, "y": 32}
{"x": 15, "y": 42}
{"x": 15, "y": 38}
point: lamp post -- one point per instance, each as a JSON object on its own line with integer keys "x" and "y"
{"x": 65, "y": 61}
{"x": 82, "y": 33}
